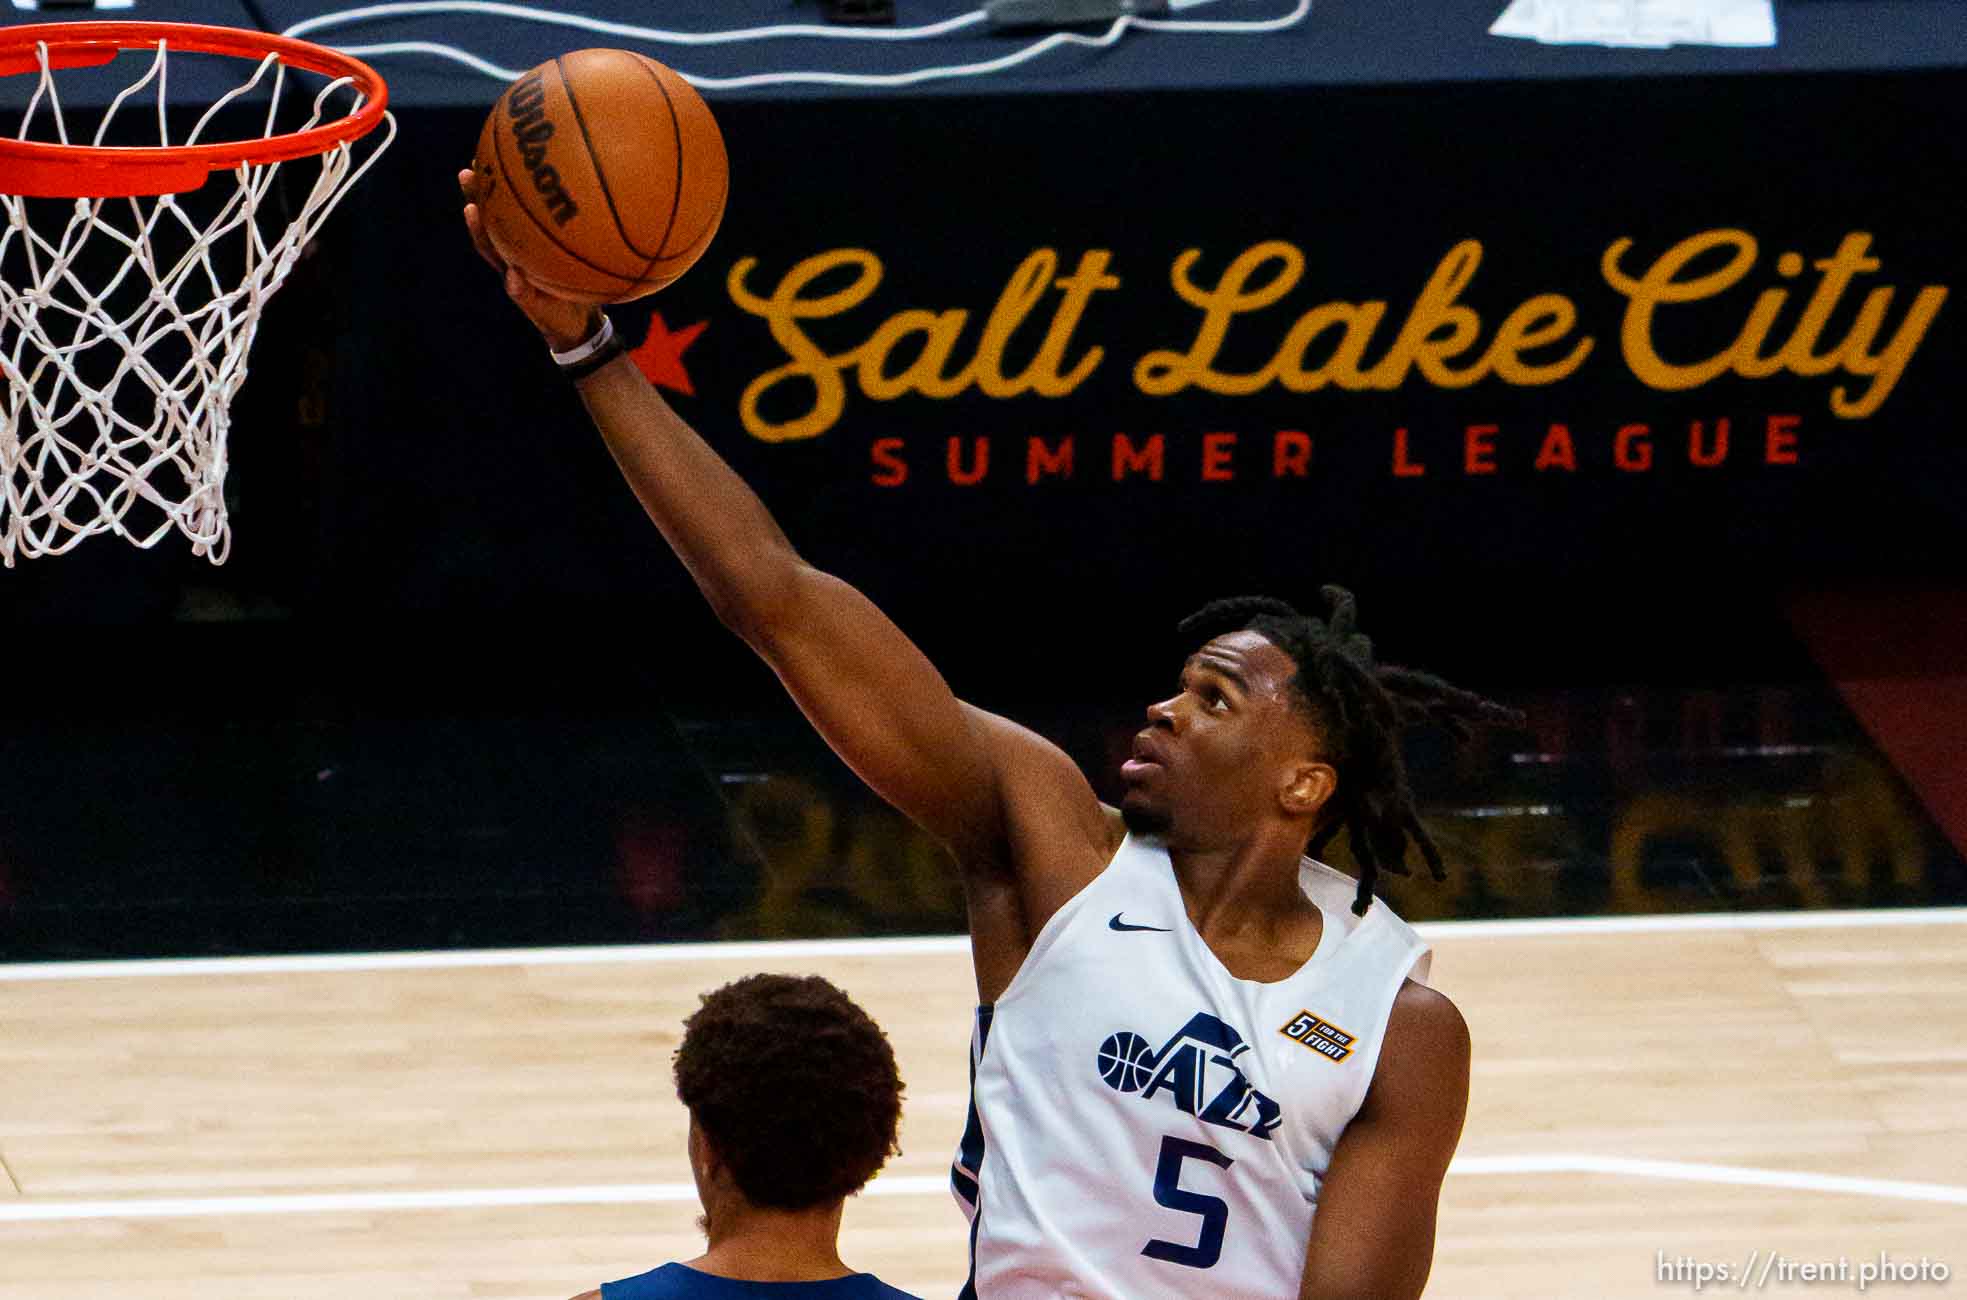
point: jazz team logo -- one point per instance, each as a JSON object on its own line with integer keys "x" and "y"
{"x": 1321, "y": 1036}
{"x": 1197, "y": 1069}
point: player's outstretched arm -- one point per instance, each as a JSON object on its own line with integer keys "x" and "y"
{"x": 1373, "y": 1236}
{"x": 868, "y": 689}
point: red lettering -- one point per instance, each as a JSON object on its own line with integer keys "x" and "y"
{"x": 1631, "y": 451}
{"x": 1479, "y": 449}
{"x": 1782, "y": 439}
{"x": 1291, "y": 454}
{"x": 1714, "y": 455}
{"x": 1040, "y": 459}
{"x": 1558, "y": 451}
{"x": 1402, "y": 467}
{"x": 891, "y": 470}
{"x": 1127, "y": 460}
{"x": 979, "y": 464}
{"x": 1217, "y": 448}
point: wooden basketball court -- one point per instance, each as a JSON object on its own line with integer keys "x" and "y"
{"x": 1650, "y": 1096}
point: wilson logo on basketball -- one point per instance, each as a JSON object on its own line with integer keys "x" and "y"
{"x": 526, "y": 106}
{"x": 1321, "y": 1036}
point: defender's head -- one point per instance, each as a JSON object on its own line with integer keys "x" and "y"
{"x": 1285, "y": 719}
{"x": 793, "y": 1093}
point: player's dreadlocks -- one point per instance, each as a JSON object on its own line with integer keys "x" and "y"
{"x": 1360, "y": 708}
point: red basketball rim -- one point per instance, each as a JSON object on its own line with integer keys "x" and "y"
{"x": 44, "y": 170}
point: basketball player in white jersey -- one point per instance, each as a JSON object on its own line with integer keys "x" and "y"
{"x": 1204, "y": 1065}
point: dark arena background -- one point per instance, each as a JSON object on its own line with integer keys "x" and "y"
{"x": 1624, "y": 386}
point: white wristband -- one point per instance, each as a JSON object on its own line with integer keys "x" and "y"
{"x": 580, "y": 352}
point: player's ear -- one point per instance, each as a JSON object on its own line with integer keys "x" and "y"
{"x": 1310, "y": 785}
{"x": 703, "y": 1156}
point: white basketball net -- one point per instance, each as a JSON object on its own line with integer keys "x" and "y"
{"x": 125, "y": 324}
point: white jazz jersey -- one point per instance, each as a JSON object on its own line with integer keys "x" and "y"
{"x": 1144, "y": 1124}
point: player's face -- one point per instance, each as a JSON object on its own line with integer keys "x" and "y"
{"x": 1209, "y": 765}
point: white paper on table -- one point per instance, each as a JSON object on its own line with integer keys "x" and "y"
{"x": 1647, "y": 23}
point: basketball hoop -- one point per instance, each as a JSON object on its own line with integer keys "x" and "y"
{"x": 127, "y": 311}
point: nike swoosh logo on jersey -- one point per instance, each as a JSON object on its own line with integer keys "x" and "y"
{"x": 1117, "y": 924}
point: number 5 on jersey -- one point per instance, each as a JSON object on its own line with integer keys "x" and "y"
{"x": 1168, "y": 1192}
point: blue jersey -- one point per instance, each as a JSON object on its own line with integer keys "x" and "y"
{"x": 680, "y": 1282}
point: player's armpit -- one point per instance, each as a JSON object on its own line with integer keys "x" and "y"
{"x": 1373, "y": 1235}
{"x": 1057, "y": 835}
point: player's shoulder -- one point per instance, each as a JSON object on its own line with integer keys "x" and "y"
{"x": 671, "y": 1281}
{"x": 1427, "y": 1014}
{"x": 1053, "y": 837}
{"x": 1040, "y": 782}
{"x": 1427, "y": 1045}
{"x": 1018, "y": 748}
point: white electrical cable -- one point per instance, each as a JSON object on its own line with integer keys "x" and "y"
{"x": 415, "y": 8}
{"x": 411, "y": 8}
{"x": 702, "y": 82}
{"x": 1232, "y": 26}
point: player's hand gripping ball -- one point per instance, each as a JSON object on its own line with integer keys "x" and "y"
{"x": 601, "y": 175}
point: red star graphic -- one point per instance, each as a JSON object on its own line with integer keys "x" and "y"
{"x": 660, "y": 355}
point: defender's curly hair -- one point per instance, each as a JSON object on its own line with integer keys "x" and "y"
{"x": 1360, "y": 709}
{"x": 794, "y": 1085}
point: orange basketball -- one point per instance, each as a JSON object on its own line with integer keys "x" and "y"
{"x": 602, "y": 175}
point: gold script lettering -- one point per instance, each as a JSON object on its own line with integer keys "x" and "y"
{"x": 782, "y": 312}
{"x": 1164, "y": 372}
{"x": 1438, "y": 331}
{"x": 934, "y": 338}
{"x": 1667, "y": 282}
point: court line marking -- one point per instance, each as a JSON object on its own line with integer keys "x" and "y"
{"x": 737, "y": 950}
{"x": 919, "y": 1185}
{"x": 445, "y": 1199}
{"x": 778, "y": 950}
{"x": 1683, "y": 922}
{"x": 1732, "y": 1175}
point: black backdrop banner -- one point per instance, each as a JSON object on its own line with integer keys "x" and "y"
{"x": 1606, "y": 369}
{"x": 1632, "y": 399}
{"x": 1557, "y": 350}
